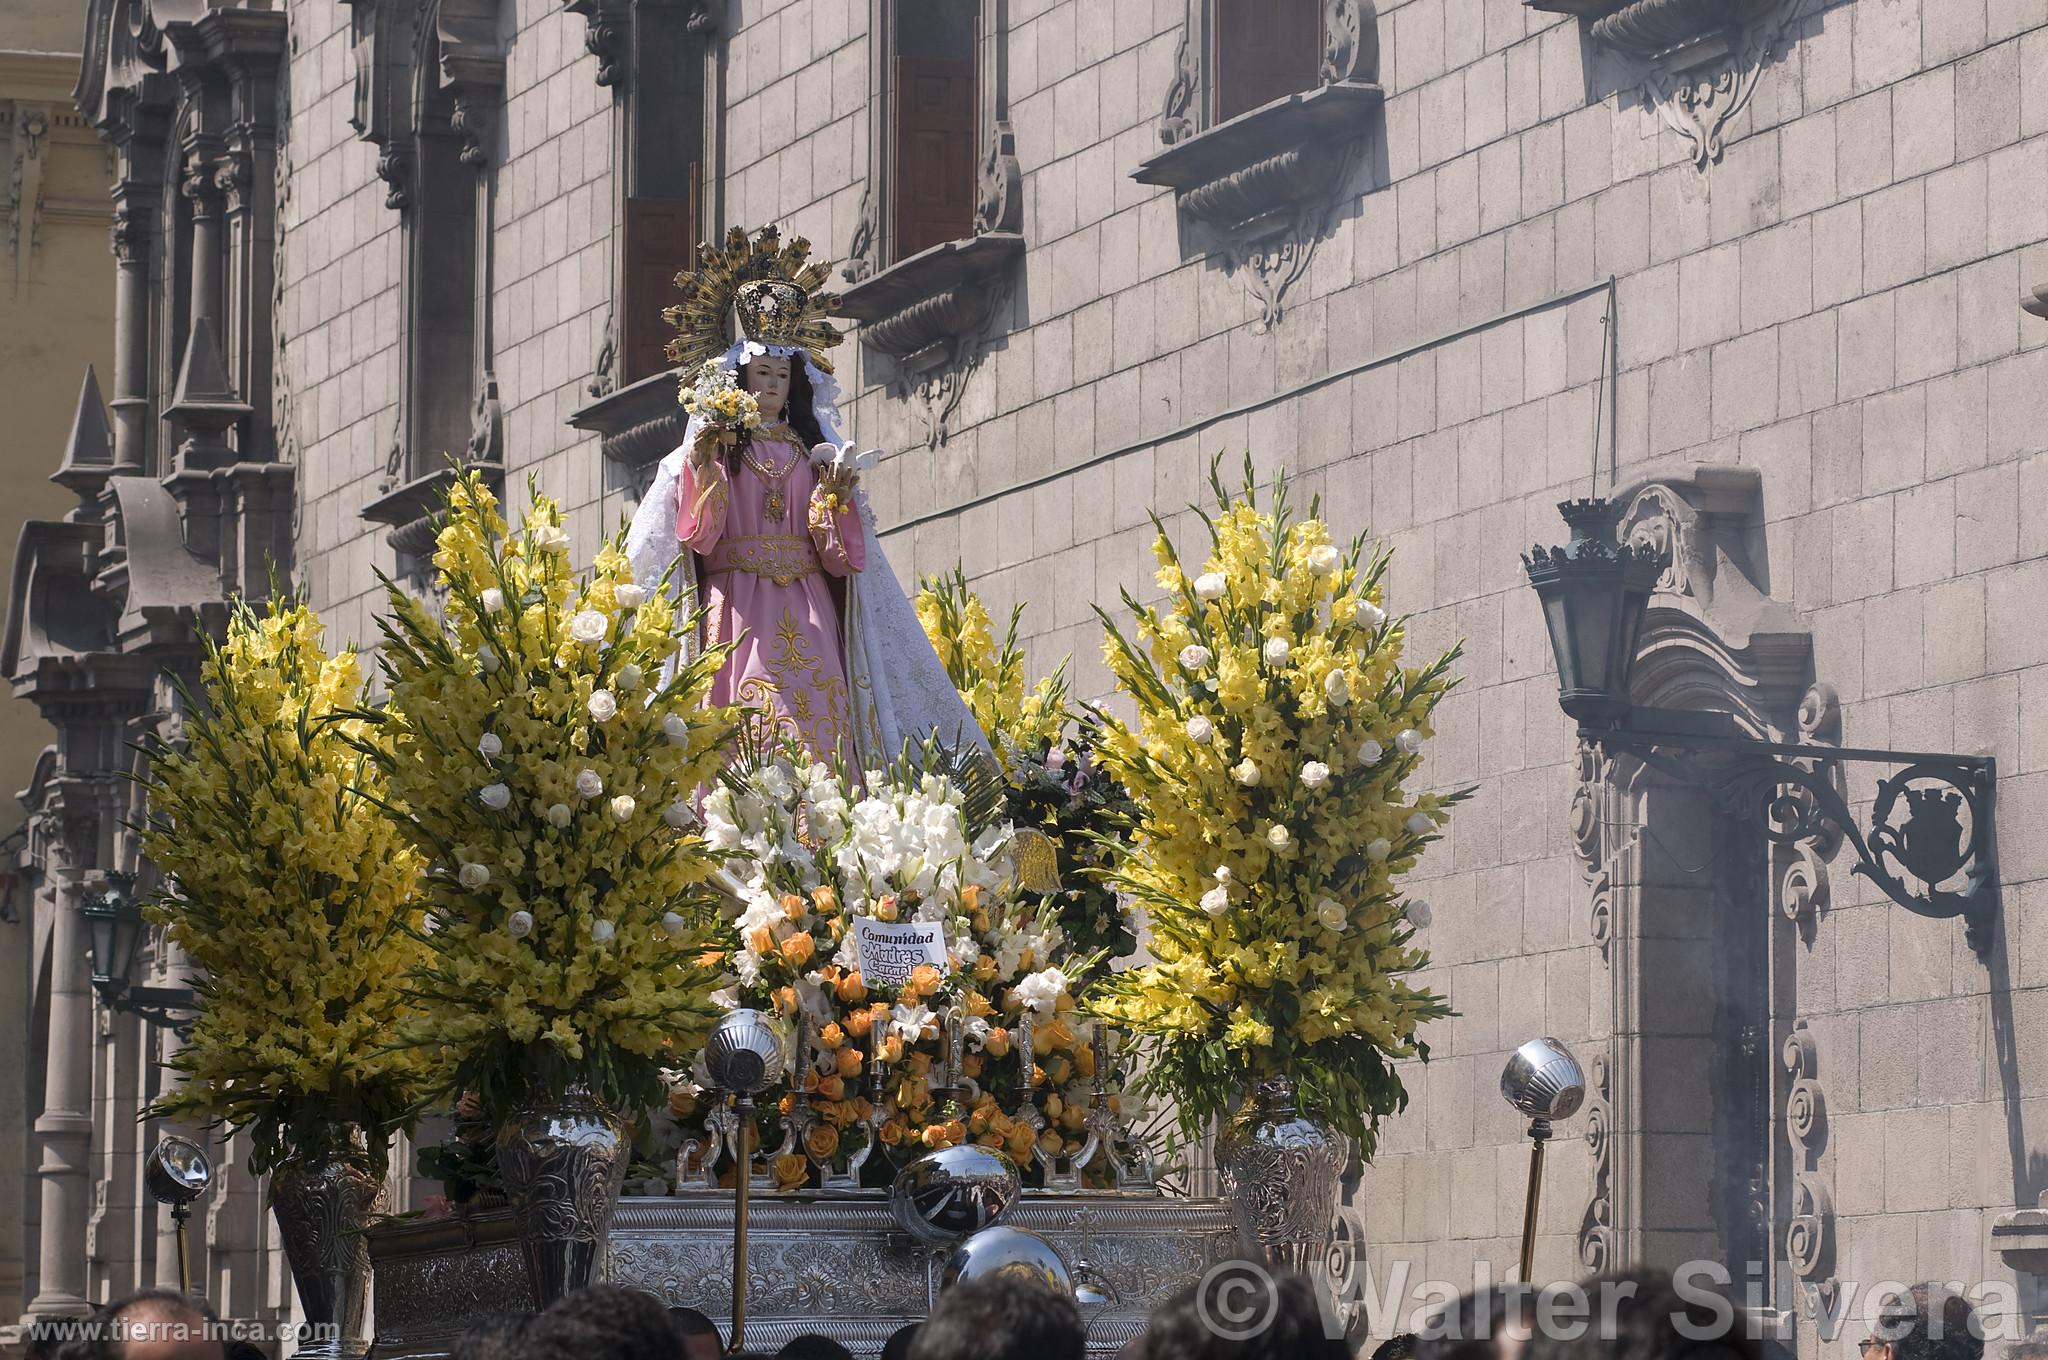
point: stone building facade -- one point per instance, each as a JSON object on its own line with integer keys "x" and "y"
{"x": 1760, "y": 270}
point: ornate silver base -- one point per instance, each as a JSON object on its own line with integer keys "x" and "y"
{"x": 838, "y": 1266}
{"x": 322, "y": 1209}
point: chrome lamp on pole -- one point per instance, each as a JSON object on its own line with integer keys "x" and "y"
{"x": 1543, "y": 1081}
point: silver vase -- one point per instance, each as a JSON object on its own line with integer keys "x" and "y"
{"x": 1280, "y": 1174}
{"x": 323, "y": 1206}
{"x": 563, "y": 1164}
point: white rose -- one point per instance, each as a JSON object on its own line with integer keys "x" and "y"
{"x": 496, "y": 797}
{"x": 1370, "y": 753}
{"x": 519, "y": 924}
{"x": 1378, "y": 848}
{"x": 623, "y": 808}
{"x": 1246, "y": 772}
{"x": 631, "y": 676}
{"x": 600, "y": 931}
{"x": 629, "y": 595}
{"x": 1222, "y": 873}
{"x": 559, "y": 814}
{"x": 603, "y": 707}
{"x": 587, "y": 625}
{"x": 1314, "y": 774}
{"x": 1331, "y": 913}
{"x": 488, "y": 660}
{"x": 678, "y": 814}
{"x": 549, "y": 538}
{"x": 1418, "y": 914}
{"x": 473, "y": 876}
{"x": 1370, "y": 614}
{"x": 1200, "y": 730}
{"x": 672, "y": 925}
{"x": 1337, "y": 689}
{"x": 589, "y": 783}
{"x": 492, "y": 599}
{"x": 1216, "y": 901}
{"x": 489, "y": 746}
{"x": 1408, "y": 741}
{"x": 1279, "y": 837}
{"x": 1210, "y": 585}
{"x": 1194, "y": 656}
{"x": 676, "y": 728}
{"x": 1419, "y": 824}
{"x": 1277, "y": 651}
{"x": 1324, "y": 560}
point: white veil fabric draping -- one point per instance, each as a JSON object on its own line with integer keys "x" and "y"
{"x": 901, "y": 691}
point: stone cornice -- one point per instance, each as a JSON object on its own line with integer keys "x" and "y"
{"x": 637, "y": 425}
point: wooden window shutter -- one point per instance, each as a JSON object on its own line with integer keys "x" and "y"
{"x": 932, "y": 159}
{"x": 1265, "y": 50}
{"x": 660, "y": 242}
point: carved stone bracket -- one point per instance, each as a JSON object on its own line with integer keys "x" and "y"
{"x": 411, "y": 511}
{"x": 637, "y": 426}
{"x": 1263, "y": 183}
{"x": 1809, "y": 1236}
{"x": 607, "y": 31}
{"x": 1700, "y": 60}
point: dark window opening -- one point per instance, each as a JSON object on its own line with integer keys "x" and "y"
{"x": 933, "y": 102}
{"x": 1264, "y": 50}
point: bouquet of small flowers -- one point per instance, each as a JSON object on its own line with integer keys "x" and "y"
{"x": 1276, "y": 729}
{"x": 716, "y": 395}
{"x": 976, "y": 1041}
{"x": 292, "y": 889}
{"x": 541, "y": 755}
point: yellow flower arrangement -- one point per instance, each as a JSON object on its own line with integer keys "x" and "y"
{"x": 1276, "y": 728}
{"x": 991, "y": 678}
{"x": 292, "y": 891}
{"x": 542, "y": 748}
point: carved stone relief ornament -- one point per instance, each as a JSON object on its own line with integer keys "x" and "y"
{"x": 1596, "y": 1228}
{"x": 1809, "y": 1235}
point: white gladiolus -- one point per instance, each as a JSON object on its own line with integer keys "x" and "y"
{"x": 589, "y": 782}
{"x": 473, "y": 876}
{"x": 496, "y": 797}
{"x": 1277, "y": 651}
{"x": 559, "y": 814}
{"x": 1041, "y": 990}
{"x": 631, "y": 677}
{"x": 1332, "y": 915}
{"x": 1279, "y": 837}
{"x": 587, "y": 625}
{"x": 629, "y": 595}
{"x": 1324, "y": 560}
{"x": 1378, "y": 848}
{"x": 1216, "y": 901}
{"x": 1418, "y": 914}
{"x": 672, "y": 925}
{"x": 492, "y": 599}
{"x": 602, "y": 705}
{"x": 1408, "y": 741}
{"x": 1419, "y": 824}
{"x": 600, "y": 931}
{"x": 676, "y": 728}
{"x": 489, "y": 746}
{"x": 519, "y": 924}
{"x": 623, "y": 808}
{"x": 1194, "y": 656}
{"x": 1210, "y": 585}
{"x": 1246, "y": 772}
{"x": 1314, "y": 774}
{"x": 678, "y": 814}
{"x": 1200, "y": 730}
{"x": 1370, "y": 753}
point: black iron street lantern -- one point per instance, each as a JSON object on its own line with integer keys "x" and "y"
{"x": 1940, "y": 860}
{"x": 113, "y": 921}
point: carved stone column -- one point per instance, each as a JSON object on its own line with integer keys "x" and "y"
{"x": 203, "y": 193}
{"x": 134, "y": 235}
{"x": 64, "y": 1128}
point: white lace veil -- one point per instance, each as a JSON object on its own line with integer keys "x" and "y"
{"x": 900, "y": 691}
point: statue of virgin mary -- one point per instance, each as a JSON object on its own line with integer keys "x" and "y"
{"x": 771, "y": 533}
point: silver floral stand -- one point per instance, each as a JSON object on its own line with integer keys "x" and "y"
{"x": 834, "y": 1265}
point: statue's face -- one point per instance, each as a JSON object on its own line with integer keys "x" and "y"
{"x": 768, "y": 379}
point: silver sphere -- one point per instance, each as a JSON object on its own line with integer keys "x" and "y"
{"x": 744, "y": 1053}
{"x": 954, "y": 1192}
{"x": 177, "y": 1171}
{"x": 1092, "y": 1289}
{"x": 1544, "y": 1081}
{"x": 1007, "y": 1251}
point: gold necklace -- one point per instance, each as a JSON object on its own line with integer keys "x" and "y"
{"x": 776, "y": 503}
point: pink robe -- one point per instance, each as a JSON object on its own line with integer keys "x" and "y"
{"x": 765, "y": 585}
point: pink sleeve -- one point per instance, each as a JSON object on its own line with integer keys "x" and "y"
{"x": 700, "y": 512}
{"x": 841, "y": 546}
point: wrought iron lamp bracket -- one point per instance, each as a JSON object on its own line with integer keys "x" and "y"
{"x": 1792, "y": 792}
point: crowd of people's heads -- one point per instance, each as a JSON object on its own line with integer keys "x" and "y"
{"x": 1233, "y": 1314}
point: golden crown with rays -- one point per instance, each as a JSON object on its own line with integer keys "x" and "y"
{"x": 758, "y": 286}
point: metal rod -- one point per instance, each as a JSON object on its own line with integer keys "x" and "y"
{"x": 742, "y": 1174}
{"x": 1694, "y": 741}
{"x": 1539, "y": 1134}
{"x": 179, "y": 1213}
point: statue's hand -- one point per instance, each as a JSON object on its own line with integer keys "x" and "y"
{"x": 705, "y": 449}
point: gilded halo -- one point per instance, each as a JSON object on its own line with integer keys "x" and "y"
{"x": 733, "y": 280}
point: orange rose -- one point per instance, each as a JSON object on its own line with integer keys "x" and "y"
{"x": 956, "y": 1132}
{"x": 1063, "y": 1002}
{"x": 792, "y": 906}
{"x": 832, "y": 1088}
{"x": 822, "y": 1143}
{"x": 934, "y": 1136}
{"x": 785, "y": 1000}
{"x": 885, "y": 908}
{"x": 918, "y": 1064}
{"x": 978, "y": 1004}
{"x": 791, "y": 1170}
{"x": 1037, "y": 1075}
{"x": 851, "y": 988}
{"x": 891, "y": 1132}
{"x": 924, "y": 979}
{"x": 760, "y": 941}
{"x": 1053, "y": 1105}
{"x": 859, "y": 1023}
{"x": 1050, "y": 1144}
{"x": 1084, "y": 1060}
{"x": 711, "y": 958}
{"x": 848, "y": 1060}
{"x": 971, "y": 1065}
{"x": 990, "y": 1140}
{"x": 1022, "y": 1140}
{"x": 832, "y": 1036}
{"x": 970, "y": 898}
{"x": 798, "y": 948}
{"x": 824, "y": 899}
{"x": 985, "y": 969}
{"x": 998, "y": 1042}
{"x": 1058, "y": 1034}
{"x": 682, "y": 1103}
{"x": 892, "y": 1049}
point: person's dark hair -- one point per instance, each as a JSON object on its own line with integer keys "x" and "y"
{"x": 498, "y": 1338}
{"x": 803, "y": 413}
{"x": 690, "y": 1322}
{"x": 603, "y": 1322}
{"x": 1648, "y": 1311}
{"x": 49, "y": 1338}
{"x": 1202, "y": 1323}
{"x": 1469, "y": 1329}
{"x": 813, "y": 1347}
{"x": 2030, "y": 1347}
{"x": 101, "y": 1340}
{"x": 1001, "y": 1317}
{"x": 241, "y": 1348}
{"x": 1400, "y": 1347}
{"x": 1931, "y": 1322}
{"x": 897, "y": 1347}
